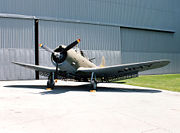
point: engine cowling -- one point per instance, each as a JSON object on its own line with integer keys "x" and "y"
{"x": 62, "y": 55}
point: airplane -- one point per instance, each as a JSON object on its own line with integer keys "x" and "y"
{"x": 71, "y": 63}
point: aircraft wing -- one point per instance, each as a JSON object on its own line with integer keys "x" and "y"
{"x": 124, "y": 69}
{"x": 44, "y": 70}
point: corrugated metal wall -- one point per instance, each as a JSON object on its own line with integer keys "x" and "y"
{"x": 148, "y": 41}
{"x": 93, "y": 37}
{"x": 141, "y": 45}
{"x": 97, "y": 23}
{"x": 153, "y": 13}
{"x": 96, "y": 40}
{"x": 16, "y": 44}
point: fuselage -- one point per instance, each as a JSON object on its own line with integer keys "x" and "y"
{"x": 73, "y": 61}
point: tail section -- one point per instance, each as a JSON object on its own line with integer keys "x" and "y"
{"x": 103, "y": 63}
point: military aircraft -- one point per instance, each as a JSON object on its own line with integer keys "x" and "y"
{"x": 71, "y": 63}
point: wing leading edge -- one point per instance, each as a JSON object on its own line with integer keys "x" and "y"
{"x": 110, "y": 72}
{"x": 124, "y": 69}
{"x": 36, "y": 67}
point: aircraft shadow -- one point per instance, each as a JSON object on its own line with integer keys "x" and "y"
{"x": 63, "y": 89}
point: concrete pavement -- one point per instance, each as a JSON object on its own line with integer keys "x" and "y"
{"x": 26, "y": 107}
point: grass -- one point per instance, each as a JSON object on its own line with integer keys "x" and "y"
{"x": 166, "y": 82}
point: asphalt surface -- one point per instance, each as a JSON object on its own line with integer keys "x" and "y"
{"x": 26, "y": 107}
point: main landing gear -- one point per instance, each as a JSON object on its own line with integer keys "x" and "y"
{"x": 93, "y": 81}
{"x": 50, "y": 82}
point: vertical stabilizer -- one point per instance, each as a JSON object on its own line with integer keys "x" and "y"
{"x": 103, "y": 63}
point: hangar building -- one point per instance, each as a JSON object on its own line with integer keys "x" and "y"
{"x": 124, "y": 31}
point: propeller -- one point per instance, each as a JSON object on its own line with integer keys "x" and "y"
{"x": 60, "y": 55}
{"x": 57, "y": 54}
{"x": 46, "y": 48}
{"x": 71, "y": 45}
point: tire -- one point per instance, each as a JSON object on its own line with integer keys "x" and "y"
{"x": 50, "y": 85}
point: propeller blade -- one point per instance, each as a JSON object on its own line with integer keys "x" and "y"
{"x": 46, "y": 48}
{"x": 71, "y": 45}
